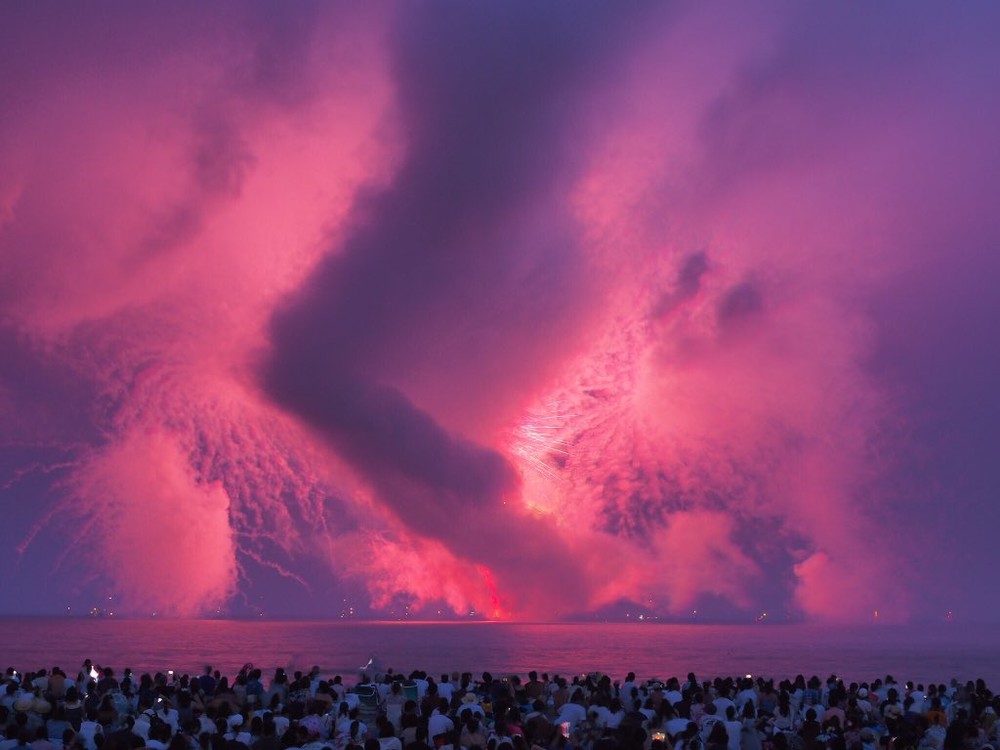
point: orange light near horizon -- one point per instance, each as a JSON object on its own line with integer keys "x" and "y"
{"x": 496, "y": 608}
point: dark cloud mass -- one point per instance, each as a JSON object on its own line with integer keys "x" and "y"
{"x": 523, "y": 310}
{"x": 479, "y": 88}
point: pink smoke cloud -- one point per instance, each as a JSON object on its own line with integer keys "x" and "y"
{"x": 479, "y": 310}
{"x": 148, "y": 226}
{"x": 166, "y": 539}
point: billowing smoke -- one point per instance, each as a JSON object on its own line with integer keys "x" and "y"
{"x": 528, "y": 311}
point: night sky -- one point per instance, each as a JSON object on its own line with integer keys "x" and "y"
{"x": 511, "y": 310}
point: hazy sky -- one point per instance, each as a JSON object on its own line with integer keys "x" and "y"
{"x": 527, "y": 309}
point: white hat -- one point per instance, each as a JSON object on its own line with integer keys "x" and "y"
{"x": 470, "y": 697}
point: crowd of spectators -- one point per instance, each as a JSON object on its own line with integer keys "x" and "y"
{"x": 98, "y": 709}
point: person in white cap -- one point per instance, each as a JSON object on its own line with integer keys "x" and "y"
{"x": 470, "y": 703}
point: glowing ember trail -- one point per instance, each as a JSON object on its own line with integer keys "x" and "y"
{"x": 496, "y": 610}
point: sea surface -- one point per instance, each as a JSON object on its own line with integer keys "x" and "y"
{"x": 923, "y": 653}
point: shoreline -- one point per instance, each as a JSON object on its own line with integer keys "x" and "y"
{"x": 941, "y": 653}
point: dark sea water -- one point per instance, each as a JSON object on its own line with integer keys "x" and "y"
{"x": 937, "y": 652}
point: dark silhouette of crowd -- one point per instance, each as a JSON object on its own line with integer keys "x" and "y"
{"x": 99, "y": 709}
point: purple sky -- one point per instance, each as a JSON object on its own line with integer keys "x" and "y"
{"x": 531, "y": 311}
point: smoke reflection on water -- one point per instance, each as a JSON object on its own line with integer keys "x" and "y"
{"x": 922, "y": 653}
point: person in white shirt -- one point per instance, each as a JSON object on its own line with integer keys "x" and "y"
{"x": 420, "y": 680}
{"x": 470, "y": 703}
{"x": 387, "y": 739}
{"x": 746, "y": 695}
{"x": 445, "y": 688}
{"x": 723, "y": 703}
{"x": 13, "y": 737}
{"x": 89, "y": 728}
{"x": 439, "y": 722}
{"x": 672, "y": 694}
{"x": 628, "y": 689}
{"x": 707, "y": 720}
{"x": 573, "y": 711}
{"x": 167, "y": 714}
{"x": 734, "y": 728}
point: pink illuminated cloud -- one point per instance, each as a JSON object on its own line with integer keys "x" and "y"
{"x": 166, "y": 539}
{"x": 525, "y": 311}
